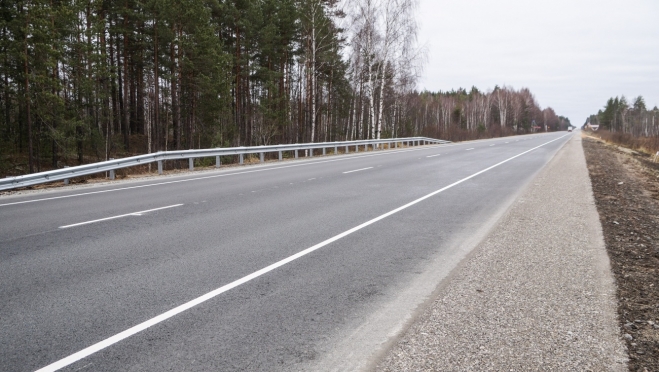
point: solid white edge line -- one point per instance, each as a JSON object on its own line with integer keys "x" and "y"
{"x": 388, "y": 152}
{"x": 177, "y": 310}
{"x": 119, "y": 216}
{"x": 357, "y": 170}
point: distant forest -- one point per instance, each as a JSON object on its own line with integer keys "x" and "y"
{"x": 621, "y": 116}
{"x": 83, "y": 81}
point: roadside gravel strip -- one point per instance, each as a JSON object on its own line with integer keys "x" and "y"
{"x": 537, "y": 294}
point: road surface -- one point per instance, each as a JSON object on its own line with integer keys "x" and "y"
{"x": 308, "y": 264}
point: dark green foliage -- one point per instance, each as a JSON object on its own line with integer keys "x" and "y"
{"x": 635, "y": 119}
{"x": 87, "y": 81}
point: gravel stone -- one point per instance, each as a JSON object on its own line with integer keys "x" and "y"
{"x": 537, "y": 294}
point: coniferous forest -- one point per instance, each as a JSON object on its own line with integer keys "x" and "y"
{"x": 633, "y": 118}
{"x": 630, "y": 124}
{"x": 84, "y": 81}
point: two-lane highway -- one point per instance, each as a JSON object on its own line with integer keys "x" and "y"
{"x": 268, "y": 267}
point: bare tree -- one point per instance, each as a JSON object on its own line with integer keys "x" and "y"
{"x": 503, "y": 102}
{"x": 383, "y": 33}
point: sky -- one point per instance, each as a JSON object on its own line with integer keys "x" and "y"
{"x": 572, "y": 54}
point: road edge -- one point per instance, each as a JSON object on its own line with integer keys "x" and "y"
{"x": 487, "y": 355}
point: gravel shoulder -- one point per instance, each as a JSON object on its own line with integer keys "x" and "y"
{"x": 537, "y": 294}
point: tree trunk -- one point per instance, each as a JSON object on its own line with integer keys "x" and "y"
{"x": 175, "y": 108}
{"x": 126, "y": 108}
{"x": 156, "y": 98}
{"x": 27, "y": 95}
{"x": 312, "y": 74}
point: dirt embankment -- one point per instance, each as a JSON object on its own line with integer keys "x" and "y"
{"x": 626, "y": 189}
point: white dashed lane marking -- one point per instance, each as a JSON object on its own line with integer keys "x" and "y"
{"x": 137, "y": 214}
{"x": 357, "y": 170}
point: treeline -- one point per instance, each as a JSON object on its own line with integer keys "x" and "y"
{"x": 619, "y": 116}
{"x": 87, "y": 81}
{"x": 462, "y": 115}
{"x": 112, "y": 77}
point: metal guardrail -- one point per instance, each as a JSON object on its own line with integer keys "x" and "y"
{"x": 65, "y": 174}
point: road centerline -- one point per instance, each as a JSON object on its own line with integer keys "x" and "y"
{"x": 201, "y": 299}
{"x": 432, "y": 156}
{"x": 137, "y": 214}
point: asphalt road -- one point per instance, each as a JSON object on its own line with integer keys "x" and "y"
{"x": 83, "y": 267}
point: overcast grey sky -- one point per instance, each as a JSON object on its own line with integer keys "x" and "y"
{"x": 572, "y": 54}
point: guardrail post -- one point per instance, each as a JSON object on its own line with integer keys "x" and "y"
{"x": 111, "y": 171}
{"x": 280, "y": 156}
{"x": 217, "y": 161}
{"x": 310, "y": 152}
{"x": 159, "y": 166}
{"x": 191, "y": 162}
{"x": 66, "y": 180}
{"x": 336, "y": 150}
{"x": 324, "y": 151}
{"x": 262, "y": 157}
{"x": 295, "y": 154}
{"x": 242, "y": 160}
